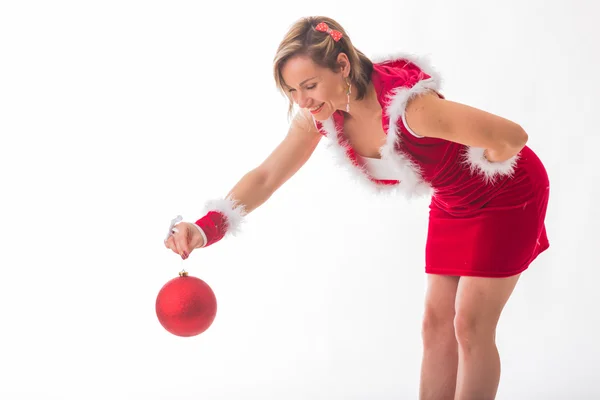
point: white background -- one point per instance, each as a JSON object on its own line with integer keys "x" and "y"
{"x": 116, "y": 116}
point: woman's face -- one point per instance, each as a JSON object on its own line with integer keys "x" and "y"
{"x": 319, "y": 90}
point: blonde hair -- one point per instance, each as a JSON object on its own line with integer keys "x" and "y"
{"x": 303, "y": 39}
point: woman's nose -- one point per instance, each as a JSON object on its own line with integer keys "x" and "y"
{"x": 302, "y": 100}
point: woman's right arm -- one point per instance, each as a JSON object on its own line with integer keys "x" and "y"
{"x": 256, "y": 186}
{"x": 251, "y": 191}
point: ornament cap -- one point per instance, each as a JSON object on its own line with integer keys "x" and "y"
{"x": 183, "y": 273}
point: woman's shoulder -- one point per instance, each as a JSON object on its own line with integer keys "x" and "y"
{"x": 404, "y": 70}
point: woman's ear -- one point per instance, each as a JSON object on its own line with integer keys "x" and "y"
{"x": 344, "y": 64}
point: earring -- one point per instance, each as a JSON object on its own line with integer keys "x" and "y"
{"x": 348, "y": 92}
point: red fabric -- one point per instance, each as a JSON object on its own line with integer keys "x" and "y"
{"x": 475, "y": 228}
{"x": 214, "y": 225}
{"x": 493, "y": 230}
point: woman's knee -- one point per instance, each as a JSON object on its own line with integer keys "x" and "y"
{"x": 479, "y": 303}
{"x": 439, "y": 310}
{"x": 437, "y": 326}
{"x": 471, "y": 329}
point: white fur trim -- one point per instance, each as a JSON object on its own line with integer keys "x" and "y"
{"x": 356, "y": 173}
{"x": 478, "y": 163}
{"x": 235, "y": 214}
{"x": 405, "y": 170}
{"x": 412, "y": 181}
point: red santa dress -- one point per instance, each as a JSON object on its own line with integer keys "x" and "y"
{"x": 486, "y": 219}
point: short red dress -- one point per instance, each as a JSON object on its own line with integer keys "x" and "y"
{"x": 486, "y": 219}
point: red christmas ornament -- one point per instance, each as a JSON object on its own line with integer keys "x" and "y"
{"x": 186, "y": 306}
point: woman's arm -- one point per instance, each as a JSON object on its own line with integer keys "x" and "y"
{"x": 256, "y": 186}
{"x": 431, "y": 116}
{"x": 259, "y": 184}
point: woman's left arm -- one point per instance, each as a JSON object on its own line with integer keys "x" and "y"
{"x": 431, "y": 116}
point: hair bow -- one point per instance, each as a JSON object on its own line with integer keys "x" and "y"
{"x": 323, "y": 27}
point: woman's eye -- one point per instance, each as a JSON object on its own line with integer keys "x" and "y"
{"x": 311, "y": 86}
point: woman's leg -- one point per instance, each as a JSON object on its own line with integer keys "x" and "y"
{"x": 440, "y": 350}
{"x": 479, "y": 303}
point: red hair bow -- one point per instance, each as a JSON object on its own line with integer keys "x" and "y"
{"x": 323, "y": 27}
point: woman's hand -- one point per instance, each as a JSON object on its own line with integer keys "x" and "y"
{"x": 183, "y": 238}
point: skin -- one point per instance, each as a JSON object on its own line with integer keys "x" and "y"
{"x": 460, "y": 358}
{"x": 310, "y": 86}
{"x": 431, "y": 116}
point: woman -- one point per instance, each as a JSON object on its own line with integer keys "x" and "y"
{"x": 395, "y": 129}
